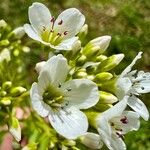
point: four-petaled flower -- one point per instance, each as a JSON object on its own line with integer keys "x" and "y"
{"x": 61, "y": 100}
{"x": 57, "y": 33}
{"x": 114, "y": 123}
{"x": 134, "y": 83}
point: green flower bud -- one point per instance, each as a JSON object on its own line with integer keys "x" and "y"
{"x": 96, "y": 46}
{"x": 6, "y": 85}
{"x": 81, "y": 60}
{"x": 18, "y": 32}
{"x": 107, "y": 98}
{"x": 5, "y": 55}
{"x": 17, "y": 91}
{"x": 14, "y": 128}
{"x": 30, "y": 146}
{"x": 3, "y": 93}
{"x": 81, "y": 73}
{"x": 3, "y": 24}
{"x": 5, "y": 101}
{"x": 4, "y": 43}
{"x": 101, "y": 58}
{"x": 83, "y": 32}
{"x": 103, "y": 77}
{"x": 110, "y": 63}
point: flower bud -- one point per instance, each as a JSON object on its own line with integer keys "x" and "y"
{"x": 30, "y": 146}
{"x": 4, "y": 43}
{"x": 91, "y": 140}
{"x": 101, "y": 58}
{"x": 18, "y": 32}
{"x": 69, "y": 143}
{"x": 39, "y": 66}
{"x": 81, "y": 60}
{"x": 96, "y": 46}
{"x": 14, "y": 128}
{"x": 103, "y": 77}
{"x": 83, "y": 32}
{"x": 81, "y": 73}
{"x": 107, "y": 98}
{"x": 17, "y": 91}
{"x": 110, "y": 63}
{"x": 3, "y": 93}
{"x": 6, "y": 85}
{"x": 3, "y": 24}
{"x": 5, "y": 101}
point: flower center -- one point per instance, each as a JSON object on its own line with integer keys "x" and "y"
{"x": 53, "y": 36}
{"x": 53, "y": 97}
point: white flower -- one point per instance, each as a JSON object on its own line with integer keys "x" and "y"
{"x": 58, "y": 34}
{"x": 61, "y": 100}
{"x": 114, "y": 123}
{"x": 91, "y": 140}
{"x": 134, "y": 83}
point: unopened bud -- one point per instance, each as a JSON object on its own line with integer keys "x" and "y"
{"x": 81, "y": 60}
{"x": 91, "y": 140}
{"x": 96, "y": 46}
{"x": 110, "y": 63}
{"x": 4, "y": 43}
{"x": 83, "y": 32}
{"x": 107, "y": 98}
{"x": 25, "y": 49}
{"x": 3, "y": 24}
{"x": 17, "y": 91}
{"x": 69, "y": 143}
{"x": 103, "y": 77}
{"x": 14, "y": 128}
{"x": 81, "y": 73}
{"x": 39, "y": 66}
{"x": 18, "y": 32}
{"x": 5, "y": 55}
{"x": 101, "y": 58}
{"x": 6, "y": 85}
{"x": 5, "y": 101}
{"x": 3, "y": 93}
{"x": 31, "y": 146}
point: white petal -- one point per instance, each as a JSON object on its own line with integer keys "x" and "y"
{"x": 137, "y": 105}
{"x": 39, "y": 16}
{"x": 31, "y": 32}
{"x": 38, "y": 105}
{"x": 72, "y": 22}
{"x": 69, "y": 123}
{"x": 117, "y": 144}
{"x": 128, "y": 69}
{"x": 123, "y": 86}
{"x": 91, "y": 140}
{"x": 83, "y": 93}
{"x": 66, "y": 44}
{"x": 57, "y": 69}
{"x": 131, "y": 121}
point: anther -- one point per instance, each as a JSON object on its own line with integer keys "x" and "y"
{"x": 59, "y": 34}
{"x": 66, "y": 32}
{"x": 44, "y": 28}
{"x": 59, "y": 85}
{"x": 53, "y": 19}
{"x": 60, "y": 22}
{"x": 69, "y": 89}
{"x": 142, "y": 88}
{"x": 124, "y": 120}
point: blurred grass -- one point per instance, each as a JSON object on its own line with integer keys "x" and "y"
{"x": 127, "y": 21}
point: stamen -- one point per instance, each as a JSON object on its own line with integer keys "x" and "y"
{"x": 66, "y": 32}
{"x": 53, "y": 21}
{"x": 60, "y": 22}
{"x": 124, "y": 120}
{"x": 59, "y": 34}
{"x": 120, "y": 135}
{"x": 142, "y": 88}
{"x": 44, "y": 28}
{"x": 59, "y": 85}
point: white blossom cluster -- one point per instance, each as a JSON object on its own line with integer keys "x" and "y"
{"x": 65, "y": 100}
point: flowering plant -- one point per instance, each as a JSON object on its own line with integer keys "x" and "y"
{"x": 77, "y": 101}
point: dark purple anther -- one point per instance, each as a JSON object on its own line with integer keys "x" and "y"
{"x": 60, "y": 22}
{"x": 124, "y": 120}
{"x": 66, "y": 32}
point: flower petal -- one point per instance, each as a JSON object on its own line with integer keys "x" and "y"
{"x": 83, "y": 93}
{"x": 31, "y": 32}
{"x": 137, "y": 105}
{"x": 91, "y": 140}
{"x": 72, "y": 22}
{"x": 57, "y": 69}
{"x": 66, "y": 44}
{"x": 69, "y": 123}
{"x": 39, "y": 16}
{"x": 128, "y": 69}
{"x": 123, "y": 86}
{"x": 38, "y": 105}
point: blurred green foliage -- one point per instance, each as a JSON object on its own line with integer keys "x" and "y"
{"x": 127, "y": 21}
